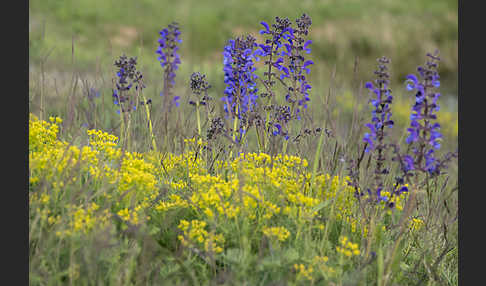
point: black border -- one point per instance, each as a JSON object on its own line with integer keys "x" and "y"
{"x": 471, "y": 110}
{"x": 15, "y": 206}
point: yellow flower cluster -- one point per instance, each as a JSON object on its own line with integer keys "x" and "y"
{"x": 279, "y": 233}
{"x": 56, "y": 160}
{"x": 416, "y": 224}
{"x": 42, "y": 133}
{"x": 320, "y": 262}
{"x": 174, "y": 202}
{"x": 82, "y": 220}
{"x": 194, "y": 235}
{"x": 339, "y": 192}
{"x": 60, "y": 164}
{"x": 255, "y": 187}
{"x": 136, "y": 179}
{"x": 56, "y": 163}
{"x": 40, "y": 204}
{"x": 320, "y": 259}
{"x": 347, "y": 247}
{"x": 129, "y": 216}
{"x": 171, "y": 168}
{"x": 105, "y": 143}
{"x": 304, "y": 273}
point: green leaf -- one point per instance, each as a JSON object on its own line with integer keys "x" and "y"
{"x": 321, "y": 206}
{"x": 270, "y": 262}
{"x": 291, "y": 255}
{"x": 154, "y": 230}
{"x": 404, "y": 266}
{"x": 233, "y": 255}
{"x": 380, "y": 265}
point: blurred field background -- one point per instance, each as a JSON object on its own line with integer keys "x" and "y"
{"x": 73, "y": 45}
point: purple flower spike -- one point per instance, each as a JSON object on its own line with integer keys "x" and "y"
{"x": 168, "y": 56}
{"x": 306, "y": 49}
{"x": 307, "y": 63}
{"x": 408, "y": 162}
{"x": 423, "y": 130}
{"x": 128, "y": 76}
{"x": 279, "y": 129}
{"x": 381, "y": 101}
{"x": 176, "y": 100}
{"x": 267, "y": 29}
{"x": 240, "y": 91}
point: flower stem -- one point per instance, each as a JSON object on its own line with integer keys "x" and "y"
{"x": 198, "y": 120}
{"x": 147, "y": 111}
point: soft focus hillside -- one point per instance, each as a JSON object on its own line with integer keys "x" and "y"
{"x": 341, "y": 31}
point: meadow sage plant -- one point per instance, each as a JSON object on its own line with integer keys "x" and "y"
{"x": 199, "y": 87}
{"x": 284, "y": 51}
{"x": 424, "y": 133}
{"x": 216, "y": 128}
{"x": 124, "y": 99}
{"x": 127, "y": 76}
{"x": 297, "y": 64}
{"x": 169, "y": 60}
{"x": 420, "y": 159}
{"x": 280, "y": 30}
{"x": 381, "y": 100}
{"x": 270, "y": 50}
{"x": 240, "y": 80}
{"x": 296, "y": 67}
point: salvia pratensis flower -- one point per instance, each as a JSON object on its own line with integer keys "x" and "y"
{"x": 281, "y": 29}
{"x": 169, "y": 58}
{"x": 424, "y": 133}
{"x": 239, "y": 78}
{"x": 285, "y": 52}
{"x": 216, "y": 128}
{"x": 127, "y": 77}
{"x": 381, "y": 100}
{"x": 199, "y": 86}
{"x": 297, "y": 67}
{"x": 280, "y": 115}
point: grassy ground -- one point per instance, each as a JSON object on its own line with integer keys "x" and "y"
{"x": 101, "y": 215}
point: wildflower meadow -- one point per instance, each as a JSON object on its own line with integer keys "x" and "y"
{"x": 251, "y": 175}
